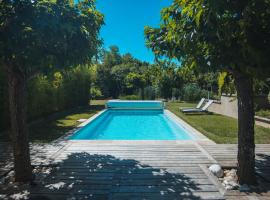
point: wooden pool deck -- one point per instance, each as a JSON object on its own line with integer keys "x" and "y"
{"x": 137, "y": 170}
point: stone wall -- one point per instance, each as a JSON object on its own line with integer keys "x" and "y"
{"x": 226, "y": 106}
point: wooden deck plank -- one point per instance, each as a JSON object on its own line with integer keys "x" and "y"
{"x": 134, "y": 171}
{"x": 102, "y": 170}
{"x": 40, "y": 153}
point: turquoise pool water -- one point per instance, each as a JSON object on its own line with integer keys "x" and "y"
{"x": 132, "y": 125}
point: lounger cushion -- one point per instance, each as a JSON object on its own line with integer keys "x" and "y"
{"x": 192, "y": 110}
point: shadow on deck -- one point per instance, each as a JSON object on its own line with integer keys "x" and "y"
{"x": 263, "y": 167}
{"x": 86, "y": 176}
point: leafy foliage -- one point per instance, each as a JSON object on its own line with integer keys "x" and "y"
{"x": 95, "y": 93}
{"x": 130, "y": 97}
{"x": 52, "y": 93}
{"x": 192, "y": 92}
{"x": 220, "y": 34}
{"x": 231, "y": 36}
{"x": 121, "y": 75}
{"x": 37, "y": 36}
{"x": 41, "y": 37}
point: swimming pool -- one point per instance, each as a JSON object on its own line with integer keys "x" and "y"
{"x": 133, "y": 124}
{"x": 129, "y": 104}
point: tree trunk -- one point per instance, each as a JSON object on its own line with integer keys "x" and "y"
{"x": 19, "y": 133}
{"x": 246, "y": 145}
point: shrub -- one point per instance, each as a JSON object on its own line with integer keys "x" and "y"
{"x": 176, "y": 93}
{"x": 76, "y": 85}
{"x": 150, "y": 93}
{"x": 50, "y": 93}
{"x": 192, "y": 92}
{"x": 41, "y": 97}
{"x": 130, "y": 97}
{"x": 95, "y": 93}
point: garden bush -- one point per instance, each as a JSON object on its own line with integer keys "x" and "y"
{"x": 150, "y": 93}
{"x": 176, "y": 93}
{"x": 130, "y": 97}
{"x": 50, "y": 93}
{"x": 95, "y": 93}
{"x": 192, "y": 92}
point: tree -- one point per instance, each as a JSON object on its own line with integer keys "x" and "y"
{"x": 167, "y": 82}
{"x": 105, "y": 80}
{"x": 77, "y": 83}
{"x": 119, "y": 73}
{"x": 112, "y": 72}
{"x": 225, "y": 84}
{"x": 232, "y": 36}
{"x": 35, "y": 37}
{"x": 136, "y": 80}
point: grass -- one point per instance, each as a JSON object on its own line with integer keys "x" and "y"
{"x": 219, "y": 128}
{"x": 263, "y": 113}
{"x": 56, "y": 125}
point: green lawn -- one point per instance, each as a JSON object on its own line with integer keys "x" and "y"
{"x": 263, "y": 113}
{"x": 53, "y": 127}
{"x": 218, "y": 128}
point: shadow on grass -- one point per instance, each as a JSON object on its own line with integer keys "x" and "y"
{"x": 85, "y": 176}
{"x": 198, "y": 113}
{"x": 55, "y": 125}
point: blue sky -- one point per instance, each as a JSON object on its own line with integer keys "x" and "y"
{"x": 125, "y": 21}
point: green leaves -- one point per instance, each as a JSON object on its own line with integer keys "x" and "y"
{"x": 28, "y": 29}
{"x": 221, "y": 81}
{"x": 198, "y": 17}
{"x": 134, "y": 80}
{"x": 228, "y": 34}
{"x": 37, "y": 36}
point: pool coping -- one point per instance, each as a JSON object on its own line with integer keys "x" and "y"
{"x": 191, "y": 130}
{"x": 91, "y": 118}
{"x": 199, "y": 137}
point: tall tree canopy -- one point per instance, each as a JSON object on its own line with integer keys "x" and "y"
{"x": 39, "y": 36}
{"x": 112, "y": 72}
{"x": 226, "y": 35}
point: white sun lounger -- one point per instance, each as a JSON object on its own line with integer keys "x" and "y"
{"x": 197, "y": 107}
{"x": 198, "y": 110}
